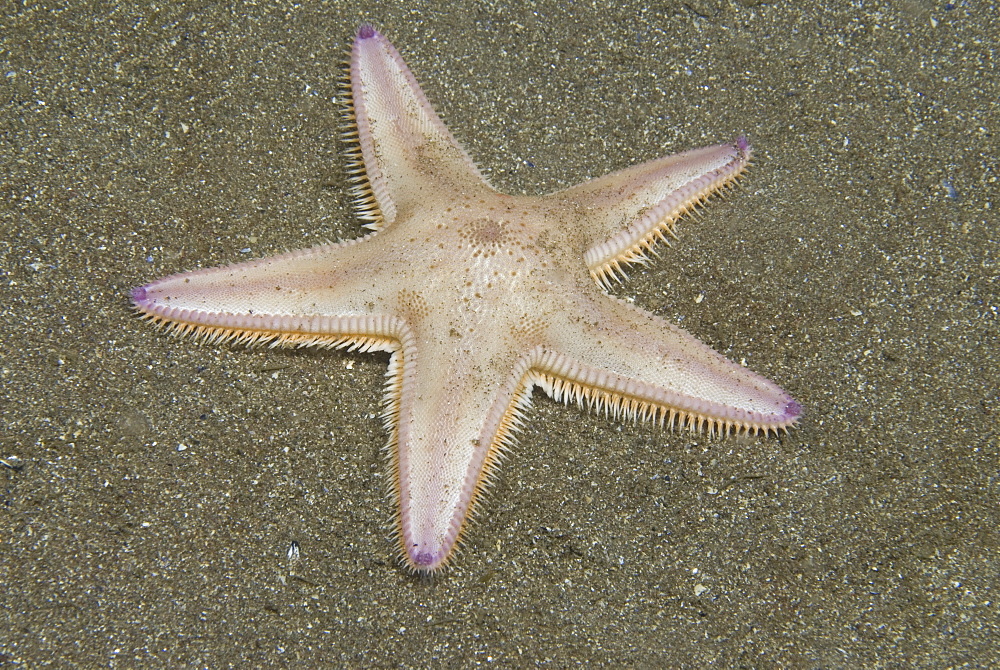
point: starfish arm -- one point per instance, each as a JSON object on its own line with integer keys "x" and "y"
{"x": 450, "y": 420}
{"x": 625, "y": 213}
{"x": 403, "y": 151}
{"x": 323, "y": 296}
{"x": 635, "y": 365}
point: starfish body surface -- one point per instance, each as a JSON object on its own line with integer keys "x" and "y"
{"x": 479, "y": 296}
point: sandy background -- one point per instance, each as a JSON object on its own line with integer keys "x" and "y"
{"x": 151, "y": 487}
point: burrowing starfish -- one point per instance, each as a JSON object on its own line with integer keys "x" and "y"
{"x": 479, "y": 296}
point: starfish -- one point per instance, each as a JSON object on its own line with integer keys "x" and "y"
{"x": 479, "y": 296}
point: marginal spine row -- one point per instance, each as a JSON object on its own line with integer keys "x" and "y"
{"x": 622, "y": 407}
{"x": 365, "y": 204}
{"x": 354, "y": 334}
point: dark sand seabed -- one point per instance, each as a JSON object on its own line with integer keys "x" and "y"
{"x": 151, "y": 487}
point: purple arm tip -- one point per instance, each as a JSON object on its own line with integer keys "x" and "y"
{"x": 139, "y": 294}
{"x": 742, "y": 143}
{"x": 366, "y": 31}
